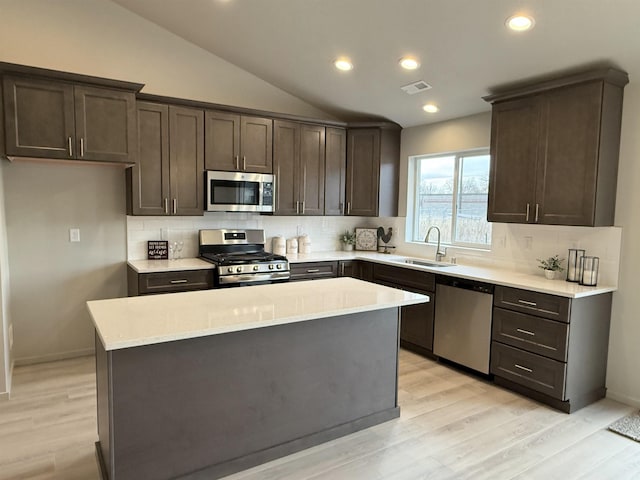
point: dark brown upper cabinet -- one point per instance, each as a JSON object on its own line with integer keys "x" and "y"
{"x": 238, "y": 143}
{"x": 299, "y": 166}
{"x": 554, "y": 151}
{"x": 168, "y": 178}
{"x": 335, "y": 171}
{"x": 59, "y": 120}
{"x": 373, "y": 157}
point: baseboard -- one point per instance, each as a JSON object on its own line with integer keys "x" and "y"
{"x": 53, "y": 357}
{"x": 627, "y": 400}
{"x": 4, "y": 396}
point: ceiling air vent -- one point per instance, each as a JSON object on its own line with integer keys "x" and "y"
{"x": 416, "y": 87}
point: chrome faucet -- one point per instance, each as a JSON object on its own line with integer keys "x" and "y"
{"x": 439, "y": 254}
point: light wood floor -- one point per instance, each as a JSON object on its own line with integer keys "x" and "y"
{"x": 452, "y": 426}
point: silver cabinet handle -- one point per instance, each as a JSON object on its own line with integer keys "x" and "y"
{"x": 523, "y": 368}
{"x": 70, "y": 145}
{"x": 527, "y": 332}
{"x": 313, "y": 270}
{"x": 531, "y": 304}
{"x": 175, "y": 206}
{"x": 81, "y": 146}
{"x": 297, "y": 207}
{"x": 342, "y": 269}
{"x": 303, "y": 207}
{"x": 537, "y": 207}
{"x": 527, "y": 219}
{"x": 244, "y": 162}
{"x": 348, "y": 208}
{"x": 166, "y": 205}
{"x": 179, "y": 281}
{"x": 237, "y": 162}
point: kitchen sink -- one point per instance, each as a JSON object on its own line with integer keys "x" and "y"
{"x": 429, "y": 263}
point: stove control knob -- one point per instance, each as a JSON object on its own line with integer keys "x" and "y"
{"x": 279, "y": 266}
{"x": 255, "y": 268}
{"x": 239, "y": 269}
{"x": 271, "y": 266}
{"x": 230, "y": 269}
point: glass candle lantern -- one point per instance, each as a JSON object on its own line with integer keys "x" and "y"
{"x": 590, "y": 267}
{"x": 574, "y": 274}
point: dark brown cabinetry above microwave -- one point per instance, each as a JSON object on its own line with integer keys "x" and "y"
{"x": 373, "y": 159}
{"x": 238, "y": 143}
{"x": 299, "y": 166}
{"x": 554, "y": 151}
{"x": 168, "y": 178}
{"x": 52, "y": 119}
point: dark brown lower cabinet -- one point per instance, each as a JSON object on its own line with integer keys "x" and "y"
{"x": 313, "y": 270}
{"x": 168, "y": 282}
{"x": 416, "y": 324}
{"x": 552, "y": 349}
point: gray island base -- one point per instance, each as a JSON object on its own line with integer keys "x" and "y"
{"x": 205, "y": 407}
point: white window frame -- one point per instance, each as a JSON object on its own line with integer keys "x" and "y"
{"x": 414, "y": 191}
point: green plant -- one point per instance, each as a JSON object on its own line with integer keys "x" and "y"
{"x": 552, "y": 263}
{"x": 348, "y": 237}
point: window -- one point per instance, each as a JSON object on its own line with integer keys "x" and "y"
{"x": 451, "y": 193}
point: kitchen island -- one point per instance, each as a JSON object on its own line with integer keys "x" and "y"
{"x": 201, "y": 384}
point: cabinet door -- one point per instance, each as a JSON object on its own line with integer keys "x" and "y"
{"x": 363, "y": 171}
{"x": 335, "y": 171}
{"x": 311, "y": 171}
{"x": 222, "y": 141}
{"x": 39, "y": 118}
{"x": 105, "y": 124}
{"x": 514, "y": 149}
{"x": 568, "y": 167}
{"x": 149, "y": 177}
{"x": 256, "y": 144}
{"x": 349, "y": 268}
{"x": 286, "y": 151}
{"x": 416, "y": 324}
{"x": 186, "y": 160}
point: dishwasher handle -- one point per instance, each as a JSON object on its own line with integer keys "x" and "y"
{"x": 465, "y": 284}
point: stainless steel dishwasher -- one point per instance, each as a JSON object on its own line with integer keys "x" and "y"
{"x": 462, "y": 325}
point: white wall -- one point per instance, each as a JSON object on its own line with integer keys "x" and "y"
{"x": 5, "y": 321}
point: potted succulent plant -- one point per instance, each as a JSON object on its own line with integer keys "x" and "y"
{"x": 551, "y": 265}
{"x": 348, "y": 239}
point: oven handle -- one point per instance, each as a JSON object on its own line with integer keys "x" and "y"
{"x": 253, "y": 277}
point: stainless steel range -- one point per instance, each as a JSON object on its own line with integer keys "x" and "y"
{"x": 241, "y": 259}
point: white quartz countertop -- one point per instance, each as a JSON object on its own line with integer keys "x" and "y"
{"x": 496, "y": 276}
{"x": 136, "y": 321}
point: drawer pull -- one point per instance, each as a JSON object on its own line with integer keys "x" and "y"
{"x": 179, "y": 281}
{"x": 527, "y": 332}
{"x": 531, "y": 304}
{"x": 313, "y": 270}
{"x": 523, "y": 368}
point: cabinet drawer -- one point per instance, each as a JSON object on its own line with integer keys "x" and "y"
{"x": 313, "y": 270}
{"x": 540, "y": 304}
{"x": 534, "y": 334}
{"x": 404, "y": 277}
{"x": 534, "y": 371}
{"x": 181, "y": 281}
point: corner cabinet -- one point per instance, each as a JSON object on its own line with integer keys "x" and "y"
{"x": 373, "y": 159}
{"x": 168, "y": 178}
{"x": 238, "y": 143}
{"x": 299, "y": 166}
{"x": 59, "y": 120}
{"x": 554, "y": 151}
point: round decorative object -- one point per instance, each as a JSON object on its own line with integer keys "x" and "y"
{"x": 550, "y": 274}
{"x": 366, "y": 239}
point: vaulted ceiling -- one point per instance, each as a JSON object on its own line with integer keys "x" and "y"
{"x": 463, "y": 46}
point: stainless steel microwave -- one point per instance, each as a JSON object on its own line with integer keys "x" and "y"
{"x": 239, "y": 192}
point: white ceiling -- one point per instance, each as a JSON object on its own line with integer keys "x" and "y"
{"x": 463, "y": 46}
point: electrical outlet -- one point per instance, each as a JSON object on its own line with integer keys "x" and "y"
{"x": 528, "y": 243}
{"x": 74, "y": 234}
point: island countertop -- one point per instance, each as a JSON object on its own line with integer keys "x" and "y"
{"x": 136, "y": 321}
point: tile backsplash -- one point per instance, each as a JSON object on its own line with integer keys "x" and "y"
{"x": 515, "y": 246}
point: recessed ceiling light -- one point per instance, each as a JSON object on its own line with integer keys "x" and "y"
{"x": 430, "y": 108}
{"x": 520, "y": 23}
{"x": 409, "y": 63}
{"x": 343, "y": 64}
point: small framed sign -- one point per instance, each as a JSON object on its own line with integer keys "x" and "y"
{"x": 158, "y": 250}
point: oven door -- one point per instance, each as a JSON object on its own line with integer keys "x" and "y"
{"x": 238, "y": 192}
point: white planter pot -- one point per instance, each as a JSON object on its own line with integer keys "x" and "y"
{"x": 550, "y": 274}
{"x": 347, "y": 247}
